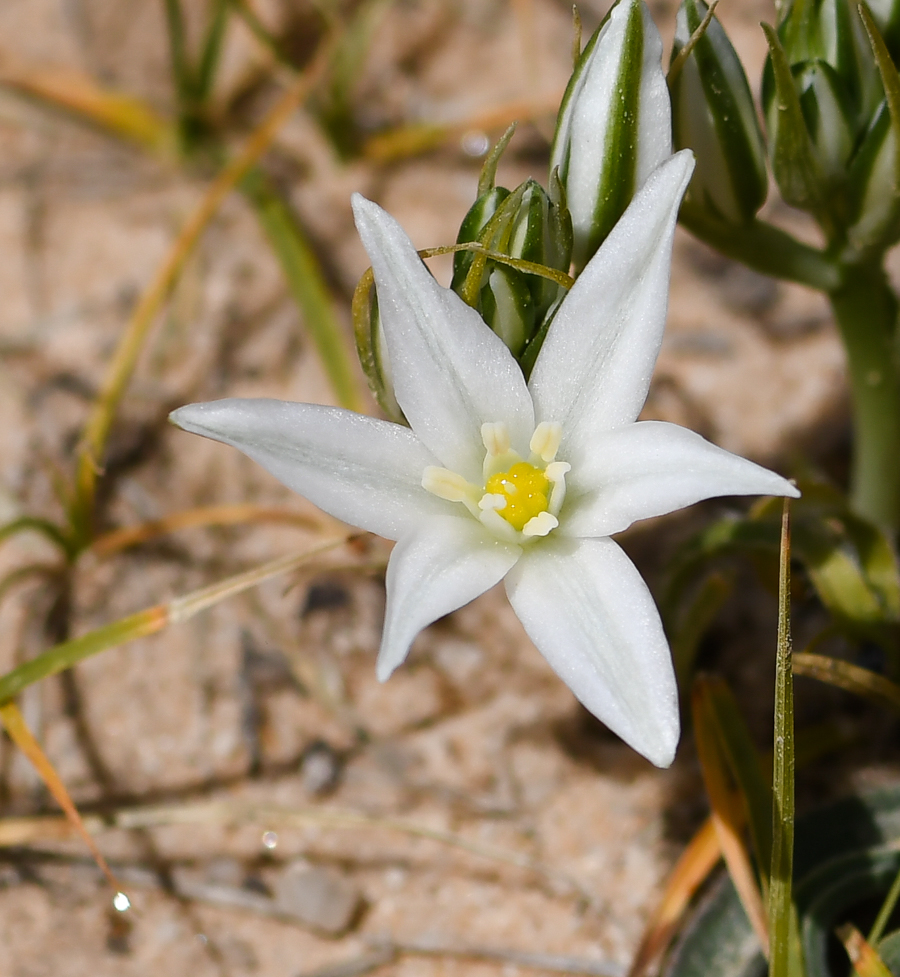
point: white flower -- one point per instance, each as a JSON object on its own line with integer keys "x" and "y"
{"x": 496, "y": 479}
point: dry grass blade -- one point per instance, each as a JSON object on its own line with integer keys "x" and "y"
{"x": 691, "y": 870}
{"x": 214, "y": 515}
{"x": 727, "y": 816}
{"x": 411, "y": 140}
{"x": 22, "y": 736}
{"x": 81, "y": 96}
{"x": 132, "y": 341}
{"x": 863, "y": 956}
{"x": 851, "y": 678}
{"x": 151, "y": 620}
{"x": 17, "y": 831}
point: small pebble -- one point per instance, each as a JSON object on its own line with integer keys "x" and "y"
{"x": 320, "y": 897}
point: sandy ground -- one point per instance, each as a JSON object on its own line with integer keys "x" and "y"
{"x": 270, "y": 700}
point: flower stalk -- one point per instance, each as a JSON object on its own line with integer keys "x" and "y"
{"x": 865, "y": 308}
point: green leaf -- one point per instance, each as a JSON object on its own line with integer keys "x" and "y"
{"x": 306, "y": 283}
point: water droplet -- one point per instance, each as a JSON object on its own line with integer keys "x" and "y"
{"x": 269, "y": 839}
{"x": 475, "y": 143}
{"x": 121, "y": 902}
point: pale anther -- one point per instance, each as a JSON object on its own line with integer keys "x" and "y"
{"x": 545, "y": 440}
{"x": 495, "y": 435}
{"x": 492, "y": 501}
{"x": 540, "y": 525}
{"x": 445, "y": 484}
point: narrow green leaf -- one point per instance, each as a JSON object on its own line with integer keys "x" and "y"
{"x": 306, "y": 283}
{"x": 693, "y": 622}
{"x": 745, "y": 765}
{"x": 151, "y": 620}
{"x": 211, "y": 50}
{"x": 489, "y": 169}
{"x": 849, "y": 677}
{"x": 34, "y": 524}
{"x": 781, "y": 908}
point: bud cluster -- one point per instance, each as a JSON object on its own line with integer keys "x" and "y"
{"x": 832, "y": 130}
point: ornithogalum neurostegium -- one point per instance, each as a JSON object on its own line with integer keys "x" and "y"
{"x": 496, "y": 478}
{"x": 614, "y": 125}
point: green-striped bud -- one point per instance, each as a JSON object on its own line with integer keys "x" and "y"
{"x": 614, "y": 125}
{"x": 713, "y": 114}
{"x": 873, "y": 179}
{"x": 527, "y": 225}
{"x": 831, "y": 31}
{"x": 830, "y": 119}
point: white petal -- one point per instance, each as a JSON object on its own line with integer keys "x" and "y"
{"x": 363, "y": 471}
{"x": 589, "y": 613}
{"x": 594, "y": 369}
{"x": 451, "y": 372}
{"x": 651, "y": 468}
{"x": 444, "y": 564}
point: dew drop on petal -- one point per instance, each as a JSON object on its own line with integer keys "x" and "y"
{"x": 269, "y": 839}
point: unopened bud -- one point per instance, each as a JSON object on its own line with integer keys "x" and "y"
{"x": 614, "y": 125}
{"x": 713, "y": 114}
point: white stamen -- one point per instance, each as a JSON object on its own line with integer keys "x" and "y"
{"x": 493, "y": 502}
{"x": 540, "y": 525}
{"x": 445, "y": 484}
{"x": 495, "y": 436}
{"x": 545, "y": 440}
{"x": 493, "y": 521}
{"x": 556, "y": 473}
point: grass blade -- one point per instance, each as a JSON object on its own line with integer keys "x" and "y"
{"x": 79, "y": 95}
{"x": 691, "y": 870}
{"x": 727, "y": 815}
{"x": 126, "y": 355}
{"x": 150, "y": 621}
{"x": 307, "y": 285}
{"x": 214, "y": 515}
{"x": 745, "y": 765}
{"x": 22, "y": 736}
{"x": 850, "y": 678}
{"x": 781, "y": 929}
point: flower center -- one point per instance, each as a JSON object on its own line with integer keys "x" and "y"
{"x": 517, "y": 500}
{"x": 526, "y": 490}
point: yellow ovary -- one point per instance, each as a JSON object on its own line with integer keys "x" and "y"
{"x": 526, "y": 490}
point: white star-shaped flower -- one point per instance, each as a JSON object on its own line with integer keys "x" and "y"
{"x": 496, "y": 479}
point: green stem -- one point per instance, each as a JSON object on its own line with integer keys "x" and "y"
{"x": 763, "y": 248}
{"x": 865, "y": 308}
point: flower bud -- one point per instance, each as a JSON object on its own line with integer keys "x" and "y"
{"x": 507, "y": 306}
{"x": 614, "y": 125}
{"x": 829, "y": 117}
{"x": 528, "y": 225}
{"x": 873, "y": 178}
{"x": 830, "y": 32}
{"x": 713, "y": 114}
